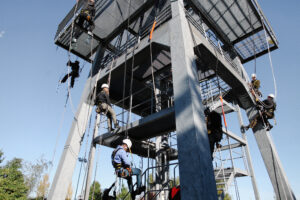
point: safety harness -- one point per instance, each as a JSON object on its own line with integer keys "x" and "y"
{"x": 121, "y": 170}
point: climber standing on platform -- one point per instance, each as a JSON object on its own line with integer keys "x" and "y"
{"x": 255, "y": 85}
{"x": 87, "y": 15}
{"x": 122, "y": 165}
{"x": 73, "y": 74}
{"x": 214, "y": 129}
{"x": 104, "y": 105}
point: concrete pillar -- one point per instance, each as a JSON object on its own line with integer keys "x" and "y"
{"x": 271, "y": 159}
{"x": 195, "y": 165}
{"x": 66, "y": 166}
{"x": 90, "y": 165}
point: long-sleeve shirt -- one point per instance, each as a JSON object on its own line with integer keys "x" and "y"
{"x": 102, "y": 97}
{"x": 121, "y": 157}
{"x": 74, "y": 66}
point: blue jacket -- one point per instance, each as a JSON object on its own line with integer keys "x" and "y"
{"x": 121, "y": 157}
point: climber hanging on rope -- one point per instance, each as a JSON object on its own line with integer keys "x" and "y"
{"x": 214, "y": 129}
{"x": 85, "y": 20}
{"x": 254, "y": 86}
{"x": 122, "y": 165}
{"x": 73, "y": 74}
{"x": 266, "y": 111}
{"x": 104, "y": 105}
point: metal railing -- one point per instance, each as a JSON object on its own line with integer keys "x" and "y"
{"x": 217, "y": 47}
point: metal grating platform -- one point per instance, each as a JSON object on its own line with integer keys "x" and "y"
{"x": 238, "y": 23}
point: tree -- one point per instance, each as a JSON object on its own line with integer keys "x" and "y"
{"x": 12, "y": 185}
{"x": 42, "y": 188}
{"x": 221, "y": 191}
{"x": 123, "y": 193}
{"x": 95, "y": 191}
{"x": 33, "y": 173}
{"x": 1, "y": 156}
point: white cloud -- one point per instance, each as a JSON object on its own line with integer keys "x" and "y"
{"x": 2, "y": 34}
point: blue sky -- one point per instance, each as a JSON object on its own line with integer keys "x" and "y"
{"x": 32, "y": 106}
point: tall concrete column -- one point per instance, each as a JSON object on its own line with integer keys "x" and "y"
{"x": 195, "y": 165}
{"x": 248, "y": 156}
{"x": 91, "y": 159}
{"x": 67, "y": 163}
{"x": 271, "y": 159}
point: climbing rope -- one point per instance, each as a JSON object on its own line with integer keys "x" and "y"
{"x": 152, "y": 67}
{"x": 125, "y": 65}
{"x": 270, "y": 59}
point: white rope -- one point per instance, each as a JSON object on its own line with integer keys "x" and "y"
{"x": 270, "y": 60}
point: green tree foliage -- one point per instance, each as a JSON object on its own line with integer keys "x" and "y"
{"x": 1, "y": 156}
{"x": 12, "y": 185}
{"x": 227, "y": 197}
{"x": 220, "y": 188}
{"x": 95, "y": 191}
{"x": 123, "y": 193}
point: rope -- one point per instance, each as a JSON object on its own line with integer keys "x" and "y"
{"x": 230, "y": 150}
{"x": 125, "y": 67}
{"x": 151, "y": 59}
{"x": 270, "y": 60}
{"x": 98, "y": 155}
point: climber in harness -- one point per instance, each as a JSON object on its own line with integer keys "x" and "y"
{"x": 214, "y": 129}
{"x": 254, "y": 86}
{"x": 122, "y": 165}
{"x": 104, "y": 105}
{"x": 85, "y": 20}
{"x": 266, "y": 111}
{"x": 73, "y": 74}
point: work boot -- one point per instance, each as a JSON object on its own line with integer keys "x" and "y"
{"x": 269, "y": 127}
{"x": 117, "y": 127}
{"x": 218, "y": 146}
{"x": 246, "y": 128}
{"x": 133, "y": 195}
{"x": 140, "y": 190}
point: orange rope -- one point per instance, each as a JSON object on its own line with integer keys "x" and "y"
{"x": 224, "y": 118}
{"x": 153, "y": 27}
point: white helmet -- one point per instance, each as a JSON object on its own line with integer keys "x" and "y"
{"x": 271, "y": 95}
{"x": 253, "y": 75}
{"x": 104, "y": 85}
{"x": 128, "y": 143}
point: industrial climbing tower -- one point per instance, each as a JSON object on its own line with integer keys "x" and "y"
{"x": 192, "y": 60}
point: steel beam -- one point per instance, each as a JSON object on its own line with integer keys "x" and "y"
{"x": 271, "y": 159}
{"x": 66, "y": 166}
{"x": 195, "y": 164}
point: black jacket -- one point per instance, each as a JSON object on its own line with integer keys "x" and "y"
{"x": 268, "y": 104}
{"x": 102, "y": 97}
{"x": 214, "y": 121}
{"x": 74, "y": 66}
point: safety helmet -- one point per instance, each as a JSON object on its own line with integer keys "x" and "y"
{"x": 127, "y": 142}
{"x": 271, "y": 95}
{"x": 253, "y": 75}
{"x": 104, "y": 85}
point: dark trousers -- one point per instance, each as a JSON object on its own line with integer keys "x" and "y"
{"x": 72, "y": 75}
{"x": 135, "y": 172}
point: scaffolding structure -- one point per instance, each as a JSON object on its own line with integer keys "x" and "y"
{"x": 195, "y": 56}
